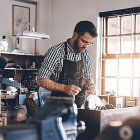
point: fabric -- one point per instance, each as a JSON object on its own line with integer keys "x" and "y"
{"x": 52, "y": 65}
{"x": 72, "y": 73}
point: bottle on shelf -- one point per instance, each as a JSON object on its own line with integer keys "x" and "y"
{"x": 17, "y": 43}
{"x": 17, "y": 46}
{"x": 3, "y": 44}
{"x": 33, "y": 65}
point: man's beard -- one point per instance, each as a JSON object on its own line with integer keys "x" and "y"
{"x": 76, "y": 47}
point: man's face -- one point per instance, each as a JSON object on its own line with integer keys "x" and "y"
{"x": 83, "y": 42}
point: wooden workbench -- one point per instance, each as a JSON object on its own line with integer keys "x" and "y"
{"x": 96, "y": 121}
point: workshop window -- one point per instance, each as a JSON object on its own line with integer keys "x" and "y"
{"x": 120, "y": 48}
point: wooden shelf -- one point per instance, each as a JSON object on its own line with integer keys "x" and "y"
{"x": 15, "y": 69}
{"x": 21, "y": 66}
{"x": 18, "y": 53}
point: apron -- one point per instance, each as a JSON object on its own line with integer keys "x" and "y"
{"x": 72, "y": 73}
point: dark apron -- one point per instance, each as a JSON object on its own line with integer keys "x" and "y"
{"x": 72, "y": 74}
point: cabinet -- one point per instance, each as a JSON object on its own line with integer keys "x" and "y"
{"x": 22, "y": 67}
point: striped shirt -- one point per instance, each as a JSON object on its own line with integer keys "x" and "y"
{"x": 52, "y": 65}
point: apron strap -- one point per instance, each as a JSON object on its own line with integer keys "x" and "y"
{"x": 65, "y": 49}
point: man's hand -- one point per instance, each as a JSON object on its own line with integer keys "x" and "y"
{"x": 90, "y": 89}
{"x": 53, "y": 86}
{"x": 71, "y": 89}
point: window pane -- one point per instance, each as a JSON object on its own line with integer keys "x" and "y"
{"x": 137, "y": 23}
{"x": 113, "y": 45}
{"x": 121, "y": 72}
{"x": 138, "y": 43}
{"x": 104, "y": 27}
{"x": 136, "y": 88}
{"x": 113, "y": 26}
{"x": 110, "y": 84}
{"x": 125, "y": 67}
{"x": 137, "y": 67}
{"x": 124, "y": 87}
{"x": 126, "y": 25}
{"x": 127, "y": 44}
{"x": 104, "y": 46}
{"x": 111, "y": 66}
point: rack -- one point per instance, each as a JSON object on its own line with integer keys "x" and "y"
{"x": 20, "y": 66}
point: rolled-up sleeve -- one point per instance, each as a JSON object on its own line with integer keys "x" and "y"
{"x": 49, "y": 63}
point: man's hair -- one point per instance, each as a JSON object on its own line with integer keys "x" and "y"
{"x": 86, "y": 26}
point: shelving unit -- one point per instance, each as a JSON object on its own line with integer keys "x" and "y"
{"x": 20, "y": 65}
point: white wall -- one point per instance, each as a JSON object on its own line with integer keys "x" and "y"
{"x": 6, "y": 19}
{"x": 44, "y": 24}
{"x": 66, "y": 13}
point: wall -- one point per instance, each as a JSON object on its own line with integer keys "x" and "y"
{"x": 44, "y": 24}
{"x": 6, "y": 19}
{"x": 66, "y": 13}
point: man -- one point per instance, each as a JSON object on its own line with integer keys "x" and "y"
{"x": 67, "y": 66}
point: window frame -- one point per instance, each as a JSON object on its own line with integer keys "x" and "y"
{"x": 104, "y": 16}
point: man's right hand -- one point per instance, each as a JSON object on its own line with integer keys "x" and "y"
{"x": 53, "y": 86}
{"x": 71, "y": 89}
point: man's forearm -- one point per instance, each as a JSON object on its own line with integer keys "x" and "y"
{"x": 50, "y": 85}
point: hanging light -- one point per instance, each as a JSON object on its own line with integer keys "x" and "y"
{"x": 34, "y": 35}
